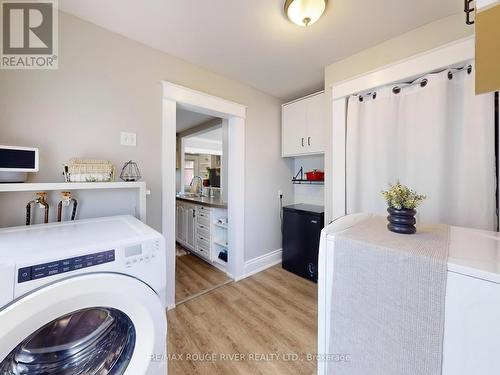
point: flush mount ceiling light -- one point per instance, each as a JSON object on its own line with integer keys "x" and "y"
{"x": 304, "y": 12}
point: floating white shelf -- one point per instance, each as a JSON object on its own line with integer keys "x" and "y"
{"x": 140, "y": 186}
{"x": 221, "y": 262}
{"x": 59, "y": 186}
{"x": 220, "y": 225}
{"x": 221, "y": 244}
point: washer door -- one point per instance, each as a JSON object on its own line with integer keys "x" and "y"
{"x": 91, "y": 324}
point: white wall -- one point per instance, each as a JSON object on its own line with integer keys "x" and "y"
{"x": 106, "y": 84}
{"x": 310, "y": 194}
{"x": 416, "y": 41}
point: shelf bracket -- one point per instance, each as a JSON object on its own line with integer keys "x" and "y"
{"x": 301, "y": 173}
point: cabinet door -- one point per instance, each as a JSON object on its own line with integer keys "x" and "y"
{"x": 293, "y": 243}
{"x": 184, "y": 224}
{"x": 316, "y": 124}
{"x": 178, "y": 223}
{"x": 301, "y": 235}
{"x": 177, "y": 153}
{"x": 294, "y": 117}
{"x": 191, "y": 225}
{"x": 471, "y": 329}
{"x": 487, "y": 46}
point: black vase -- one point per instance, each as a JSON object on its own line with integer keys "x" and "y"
{"x": 401, "y": 221}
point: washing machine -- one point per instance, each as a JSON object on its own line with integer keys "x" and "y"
{"x": 83, "y": 297}
{"x": 471, "y": 339}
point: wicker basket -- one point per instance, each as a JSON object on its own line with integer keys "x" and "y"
{"x": 89, "y": 170}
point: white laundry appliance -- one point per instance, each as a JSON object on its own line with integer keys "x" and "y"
{"x": 83, "y": 297}
{"x": 472, "y": 307}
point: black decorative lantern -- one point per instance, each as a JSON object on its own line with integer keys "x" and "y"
{"x": 130, "y": 172}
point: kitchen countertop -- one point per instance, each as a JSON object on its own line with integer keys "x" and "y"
{"x": 204, "y": 201}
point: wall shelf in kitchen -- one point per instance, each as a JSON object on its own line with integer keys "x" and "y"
{"x": 307, "y": 182}
{"x": 221, "y": 244}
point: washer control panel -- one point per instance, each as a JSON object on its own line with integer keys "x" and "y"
{"x": 141, "y": 253}
{"x": 39, "y": 271}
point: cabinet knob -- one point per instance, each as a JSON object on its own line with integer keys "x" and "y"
{"x": 302, "y": 142}
{"x": 308, "y": 141}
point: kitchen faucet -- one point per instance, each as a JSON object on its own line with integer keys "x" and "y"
{"x": 201, "y": 184}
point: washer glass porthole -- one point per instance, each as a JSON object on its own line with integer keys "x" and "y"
{"x": 97, "y": 340}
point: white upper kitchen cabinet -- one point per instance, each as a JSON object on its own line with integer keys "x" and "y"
{"x": 294, "y": 128}
{"x": 304, "y": 126}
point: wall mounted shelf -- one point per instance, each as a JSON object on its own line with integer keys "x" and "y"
{"x": 221, "y": 244}
{"x": 140, "y": 186}
{"x": 307, "y": 182}
{"x": 221, "y": 262}
{"x": 220, "y": 225}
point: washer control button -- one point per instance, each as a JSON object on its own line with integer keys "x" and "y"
{"x": 24, "y": 274}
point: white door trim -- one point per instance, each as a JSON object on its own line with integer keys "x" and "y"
{"x": 193, "y": 100}
{"x": 438, "y": 58}
{"x": 457, "y": 52}
{"x": 175, "y": 96}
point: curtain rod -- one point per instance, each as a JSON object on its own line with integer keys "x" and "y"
{"x": 419, "y": 81}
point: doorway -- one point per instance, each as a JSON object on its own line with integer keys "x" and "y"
{"x": 201, "y": 230}
{"x": 233, "y": 115}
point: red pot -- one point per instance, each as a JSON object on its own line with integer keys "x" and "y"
{"x": 315, "y": 175}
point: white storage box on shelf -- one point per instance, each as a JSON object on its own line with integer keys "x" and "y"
{"x": 472, "y": 330}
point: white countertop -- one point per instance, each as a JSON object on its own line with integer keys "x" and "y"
{"x": 473, "y": 252}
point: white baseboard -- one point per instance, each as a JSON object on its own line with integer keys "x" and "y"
{"x": 261, "y": 263}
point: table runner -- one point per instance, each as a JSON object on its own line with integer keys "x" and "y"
{"x": 388, "y": 300}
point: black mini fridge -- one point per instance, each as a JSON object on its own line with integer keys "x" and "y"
{"x": 302, "y": 225}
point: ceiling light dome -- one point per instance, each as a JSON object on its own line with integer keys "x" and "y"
{"x": 304, "y": 12}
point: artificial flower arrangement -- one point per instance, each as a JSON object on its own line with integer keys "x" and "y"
{"x": 402, "y": 202}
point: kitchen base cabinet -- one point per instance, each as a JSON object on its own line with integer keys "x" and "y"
{"x": 191, "y": 226}
{"x": 198, "y": 230}
{"x": 185, "y": 225}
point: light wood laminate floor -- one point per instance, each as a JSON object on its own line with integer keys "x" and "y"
{"x": 271, "y": 313}
{"x": 194, "y": 276}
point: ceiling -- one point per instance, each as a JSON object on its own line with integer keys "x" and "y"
{"x": 213, "y": 136}
{"x": 187, "y": 119}
{"x": 252, "y": 41}
{"x": 209, "y": 142}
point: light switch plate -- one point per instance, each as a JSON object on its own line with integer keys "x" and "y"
{"x": 128, "y": 139}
